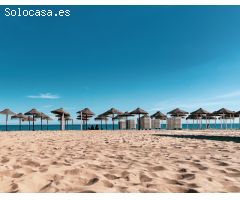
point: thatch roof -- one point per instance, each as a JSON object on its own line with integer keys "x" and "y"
{"x": 60, "y": 111}
{"x": 158, "y": 115}
{"x": 7, "y": 112}
{"x": 19, "y": 116}
{"x": 123, "y": 115}
{"x": 200, "y": 111}
{"x": 112, "y": 111}
{"x": 101, "y": 117}
{"x": 28, "y": 119}
{"x": 65, "y": 118}
{"x": 86, "y": 111}
{"x": 33, "y": 112}
{"x": 126, "y": 114}
{"x": 192, "y": 117}
{"x": 178, "y": 112}
{"x": 46, "y": 117}
{"x": 223, "y": 111}
{"x": 83, "y": 118}
{"x": 41, "y": 115}
{"x": 139, "y": 111}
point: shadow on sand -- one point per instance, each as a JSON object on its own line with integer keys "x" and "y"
{"x": 204, "y": 137}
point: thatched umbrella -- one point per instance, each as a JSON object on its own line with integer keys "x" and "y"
{"x": 29, "y": 119}
{"x": 102, "y": 118}
{"x": 66, "y": 119}
{"x": 87, "y": 113}
{"x": 177, "y": 113}
{"x": 139, "y": 112}
{"x": 34, "y": 113}
{"x": 19, "y": 116}
{"x": 200, "y": 113}
{"x": 41, "y": 116}
{"x": 125, "y": 115}
{"x": 84, "y": 120}
{"x": 47, "y": 118}
{"x": 223, "y": 112}
{"x": 209, "y": 117}
{"x": 159, "y": 115}
{"x": 62, "y": 113}
{"x": 193, "y": 117}
{"x": 7, "y": 112}
{"x": 112, "y": 112}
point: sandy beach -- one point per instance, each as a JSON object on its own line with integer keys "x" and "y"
{"x": 119, "y": 161}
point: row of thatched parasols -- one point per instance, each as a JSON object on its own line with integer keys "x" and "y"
{"x": 26, "y": 117}
{"x": 84, "y": 115}
{"x": 200, "y": 114}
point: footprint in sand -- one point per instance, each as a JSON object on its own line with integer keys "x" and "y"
{"x": 144, "y": 178}
{"x": 158, "y": 168}
{"x": 237, "y": 174}
{"x": 31, "y": 163}
{"x": 199, "y": 166}
{"x": 4, "y": 160}
{"x": 172, "y": 181}
{"x": 14, "y": 188}
{"x": 232, "y": 169}
{"x": 111, "y": 177}
{"x": 186, "y": 176}
{"x": 17, "y": 175}
{"x": 72, "y": 171}
{"x": 92, "y": 181}
{"x": 222, "y": 164}
{"x": 43, "y": 168}
{"x": 107, "y": 184}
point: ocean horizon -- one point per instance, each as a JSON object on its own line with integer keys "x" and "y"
{"x": 55, "y": 127}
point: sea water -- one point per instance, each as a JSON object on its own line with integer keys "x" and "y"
{"x": 110, "y": 127}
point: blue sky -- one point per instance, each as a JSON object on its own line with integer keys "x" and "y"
{"x": 154, "y": 57}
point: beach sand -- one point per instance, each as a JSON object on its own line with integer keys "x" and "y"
{"x": 119, "y": 161}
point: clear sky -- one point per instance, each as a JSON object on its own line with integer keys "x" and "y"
{"x": 153, "y": 57}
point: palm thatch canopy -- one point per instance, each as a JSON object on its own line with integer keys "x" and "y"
{"x": 19, "y": 116}
{"x": 101, "y": 117}
{"x": 28, "y": 119}
{"x": 112, "y": 111}
{"x": 79, "y": 117}
{"x": 41, "y": 115}
{"x": 123, "y": 115}
{"x": 192, "y": 117}
{"x": 178, "y": 113}
{"x": 86, "y": 111}
{"x": 139, "y": 111}
{"x": 159, "y": 115}
{"x": 60, "y": 112}
{"x": 66, "y": 118}
{"x": 46, "y": 117}
{"x": 34, "y": 112}
{"x": 7, "y": 112}
{"x": 126, "y": 114}
{"x": 200, "y": 111}
{"x": 223, "y": 111}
